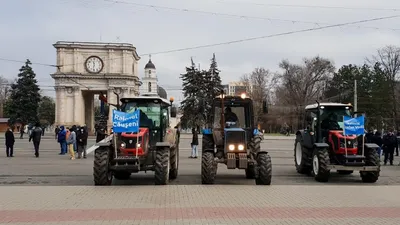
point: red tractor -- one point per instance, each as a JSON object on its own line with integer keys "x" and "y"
{"x": 322, "y": 146}
{"x": 155, "y": 147}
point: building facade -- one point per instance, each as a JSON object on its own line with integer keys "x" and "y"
{"x": 85, "y": 69}
{"x": 236, "y": 88}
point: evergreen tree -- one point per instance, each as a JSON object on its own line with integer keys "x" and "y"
{"x": 25, "y": 97}
{"x": 46, "y": 111}
{"x": 212, "y": 88}
{"x": 192, "y": 91}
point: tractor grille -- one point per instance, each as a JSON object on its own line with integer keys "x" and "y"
{"x": 350, "y": 143}
{"x": 235, "y": 137}
{"x": 130, "y": 142}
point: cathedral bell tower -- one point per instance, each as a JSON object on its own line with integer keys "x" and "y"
{"x": 149, "y": 81}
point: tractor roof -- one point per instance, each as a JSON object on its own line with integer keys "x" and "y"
{"x": 332, "y": 104}
{"x": 145, "y": 98}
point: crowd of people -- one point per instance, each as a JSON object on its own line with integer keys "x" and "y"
{"x": 388, "y": 143}
{"x": 72, "y": 140}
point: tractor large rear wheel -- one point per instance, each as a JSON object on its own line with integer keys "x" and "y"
{"x": 208, "y": 168}
{"x": 162, "y": 165}
{"x": 321, "y": 163}
{"x": 264, "y": 169}
{"x": 101, "y": 167}
{"x": 301, "y": 157}
{"x": 371, "y": 159}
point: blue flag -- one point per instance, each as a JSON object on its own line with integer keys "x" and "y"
{"x": 353, "y": 125}
{"x": 126, "y": 122}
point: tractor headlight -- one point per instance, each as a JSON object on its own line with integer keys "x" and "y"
{"x": 241, "y": 147}
{"x": 123, "y": 145}
{"x": 138, "y": 145}
{"x": 231, "y": 147}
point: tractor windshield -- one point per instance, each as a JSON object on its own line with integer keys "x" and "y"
{"x": 332, "y": 117}
{"x": 234, "y": 116}
{"x": 149, "y": 113}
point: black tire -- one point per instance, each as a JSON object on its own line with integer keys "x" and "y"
{"x": 161, "y": 167}
{"x": 208, "y": 168}
{"x": 122, "y": 175}
{"x": 321, "y": 171}
{"x": 255, "y": 145}
{"x": 264, "y": 169}
{"x": 371, "y": 159}
{"x": 305, "y": 164}
{"x": 101, "y": 173}
{"x": 174, "y": 163}
{"x": 207, "y": 143}
{"x": 250, "y": 172}
{"x": 345, "y": 172}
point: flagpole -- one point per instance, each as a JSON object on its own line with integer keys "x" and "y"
{"x": 344, "y": 134}
{"x": 137, "y": 135}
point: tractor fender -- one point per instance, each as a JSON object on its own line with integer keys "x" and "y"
{"x": 371, "y": 145}
{"x": 321, "y": 145}
{"x": 164, "y": 144}
{"x": 305, "y": 138}
{"x": 262, "y": 152}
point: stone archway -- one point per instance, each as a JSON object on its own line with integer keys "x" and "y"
{"x": 89, "y": 68}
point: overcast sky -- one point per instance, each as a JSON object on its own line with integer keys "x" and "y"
{"x": 28, "y": 28}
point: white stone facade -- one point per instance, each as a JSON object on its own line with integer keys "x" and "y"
{"x": 76, "y": 84}
{"x": 149, "y": 81}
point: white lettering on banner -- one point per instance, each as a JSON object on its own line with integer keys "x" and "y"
{"x": 125, "y": 125}
{"x": 123, "y": 118}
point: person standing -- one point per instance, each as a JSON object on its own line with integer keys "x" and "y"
{"x": 82, "y": 136}
{"x": 71, "y": 141}
{"x": 10, "y": 140}
{"x": 35, "y": 137}
{"x": 194, "y": 144}
{"x": 377, "y": 139}
{"x": 62, "y": 139}
{"x": 389, "y": 144}
{"x": 56, "y": 132}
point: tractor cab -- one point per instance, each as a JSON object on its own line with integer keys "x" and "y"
{"x": 325, "y": 120}
{"x": 154, "y": 121}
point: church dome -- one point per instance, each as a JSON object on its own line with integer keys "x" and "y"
{"x": 150, "y": 65}
{"x": 161, "y": 92}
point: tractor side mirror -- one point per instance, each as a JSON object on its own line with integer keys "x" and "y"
{"x": 173, "y": 112}
{"x": 265, "y": 107}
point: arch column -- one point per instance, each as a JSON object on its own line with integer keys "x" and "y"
{"x": 60, "y": 105}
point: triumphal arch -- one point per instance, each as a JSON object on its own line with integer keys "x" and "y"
{"x": 86, "y": 69}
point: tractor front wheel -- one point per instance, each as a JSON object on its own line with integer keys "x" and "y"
{"x": 264, "y": 169}
{"x": 162, "y": 165}
{"x": 101, "y": 171}
{"x": 321, "y": 163}
{"x": 371, "y": 159}
{"x": 208, "y": 168}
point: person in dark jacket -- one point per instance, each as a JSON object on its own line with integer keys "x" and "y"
{"x": 35, "y": 137}
{"x": 370, "y": 136}
{"x": 82, "y": 137}
{"x": 195, "y": 143}
{"x": 10, "y": 140}
{"x": 389, "y": 144}
{"x": 56, "y": 132}
{"x": 377, "y": 139}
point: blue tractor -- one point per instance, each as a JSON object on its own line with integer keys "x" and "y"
{"x": 234, "y": 140}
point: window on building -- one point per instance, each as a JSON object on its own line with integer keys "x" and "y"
{"x": 149, "y": 72}
{"x": 149, "y": 86}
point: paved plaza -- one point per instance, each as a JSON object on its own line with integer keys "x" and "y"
{"x": 52, "y": 189}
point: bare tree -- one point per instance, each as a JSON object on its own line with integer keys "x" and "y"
{"x": 259, "y": 85}
{"x": 4, "y": 93}
{"x": 299, "y": 85}
{"x": 389, "y": 58}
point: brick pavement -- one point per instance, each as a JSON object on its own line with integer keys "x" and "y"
{"x": 187, "y": 204}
